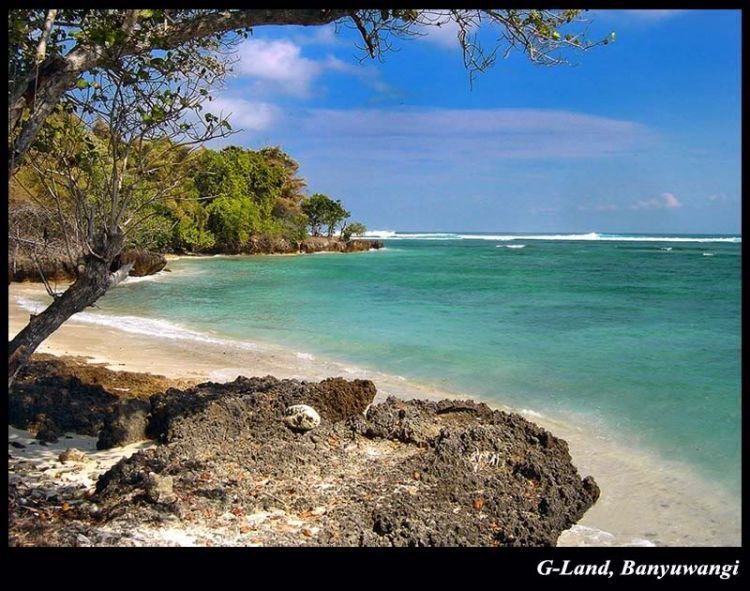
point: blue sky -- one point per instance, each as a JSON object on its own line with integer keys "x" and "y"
{"x": 642, "y": 135}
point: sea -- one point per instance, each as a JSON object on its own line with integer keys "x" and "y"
{"x": 632, "y": 334}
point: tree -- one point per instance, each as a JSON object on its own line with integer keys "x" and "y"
{"x": 315, "y": 207}
{"x": 353, "y": 229}
{"x": 322, "y": 211}
{"x": 119, "y": 145}
{"x": 52, "y": 50}
{"x": 334, "y": 215}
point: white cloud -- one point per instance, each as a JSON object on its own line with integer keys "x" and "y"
{"x": 278, "y": 66}
{"x": 664, "y": 201}
{"x": 278, "y": 63}
{"x": 245, "y": 115}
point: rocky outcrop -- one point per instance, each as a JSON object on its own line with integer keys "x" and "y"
{"x": 398, "y": 473}
{"x": 312, "y": 244}
{"x": 324, "y": 244}
{"x": 22, "y": 267}
{"x": 57, "y": 267}
{"x": 144, "y": 262}
{"x": 54, "y": 395}
{"x": 410, "y": 473}
{"x": 127, "y": 422}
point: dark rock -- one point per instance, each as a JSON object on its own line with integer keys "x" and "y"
{"x": 359, "y": 244}
{"x": 78, "y": 396}
{"x": 226, "y": 409}
{"x": 56, "y": 265}
{"x": 71, "y": 455}
{"x": 144, "y": 262}
{"x": 159, "y": 489}
{"x": 70, "y": 404}
{"x": 127, "y": 423}
{"x": 399, "y": 473}
{"x": 47, "y": 431}
{"x": 481, "y": 479}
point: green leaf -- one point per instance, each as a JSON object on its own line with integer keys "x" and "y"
{"x": 81, "y": 83}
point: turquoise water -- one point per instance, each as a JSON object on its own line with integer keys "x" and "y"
{"x": 637, "y": 336}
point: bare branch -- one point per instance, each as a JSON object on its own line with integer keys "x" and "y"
{"x": 41, "y": 50}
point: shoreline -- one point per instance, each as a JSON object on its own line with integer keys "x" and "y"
{"x": 645, "y": 500}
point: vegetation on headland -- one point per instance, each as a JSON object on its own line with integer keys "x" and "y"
{"x": 223, "y": 200}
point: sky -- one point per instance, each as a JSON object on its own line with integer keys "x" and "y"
{"x": 640, "y": 135}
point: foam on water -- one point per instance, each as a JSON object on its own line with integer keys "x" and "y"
{"x": 145, "y": 326}
{"x": 131, "y": 280}
{"x": 584, "y": 536}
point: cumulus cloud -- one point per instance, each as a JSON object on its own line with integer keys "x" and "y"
{"x": 664, "y": 201}
{"x": 277, "y": 63}
{"x": 278, "y": 66}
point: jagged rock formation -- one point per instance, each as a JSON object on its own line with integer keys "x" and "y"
{"x": 398, "y": 473}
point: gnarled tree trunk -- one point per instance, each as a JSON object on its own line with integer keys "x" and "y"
{"x": 91, "y": 284}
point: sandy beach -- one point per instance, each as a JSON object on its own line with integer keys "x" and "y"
{"x": 645, "y": 501}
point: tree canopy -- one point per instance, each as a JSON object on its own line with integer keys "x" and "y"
{"x": 322, "y": 211}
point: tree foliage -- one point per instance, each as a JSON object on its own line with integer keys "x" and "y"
{"x": 353, "y": 229}
{"x": 322, "y": 211}
{"x": 220, "y": 201}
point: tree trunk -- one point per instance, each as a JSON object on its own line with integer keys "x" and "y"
{"x": 91, "y": 284}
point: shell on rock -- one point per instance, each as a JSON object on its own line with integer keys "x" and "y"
{"x": 301, "y": 417}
